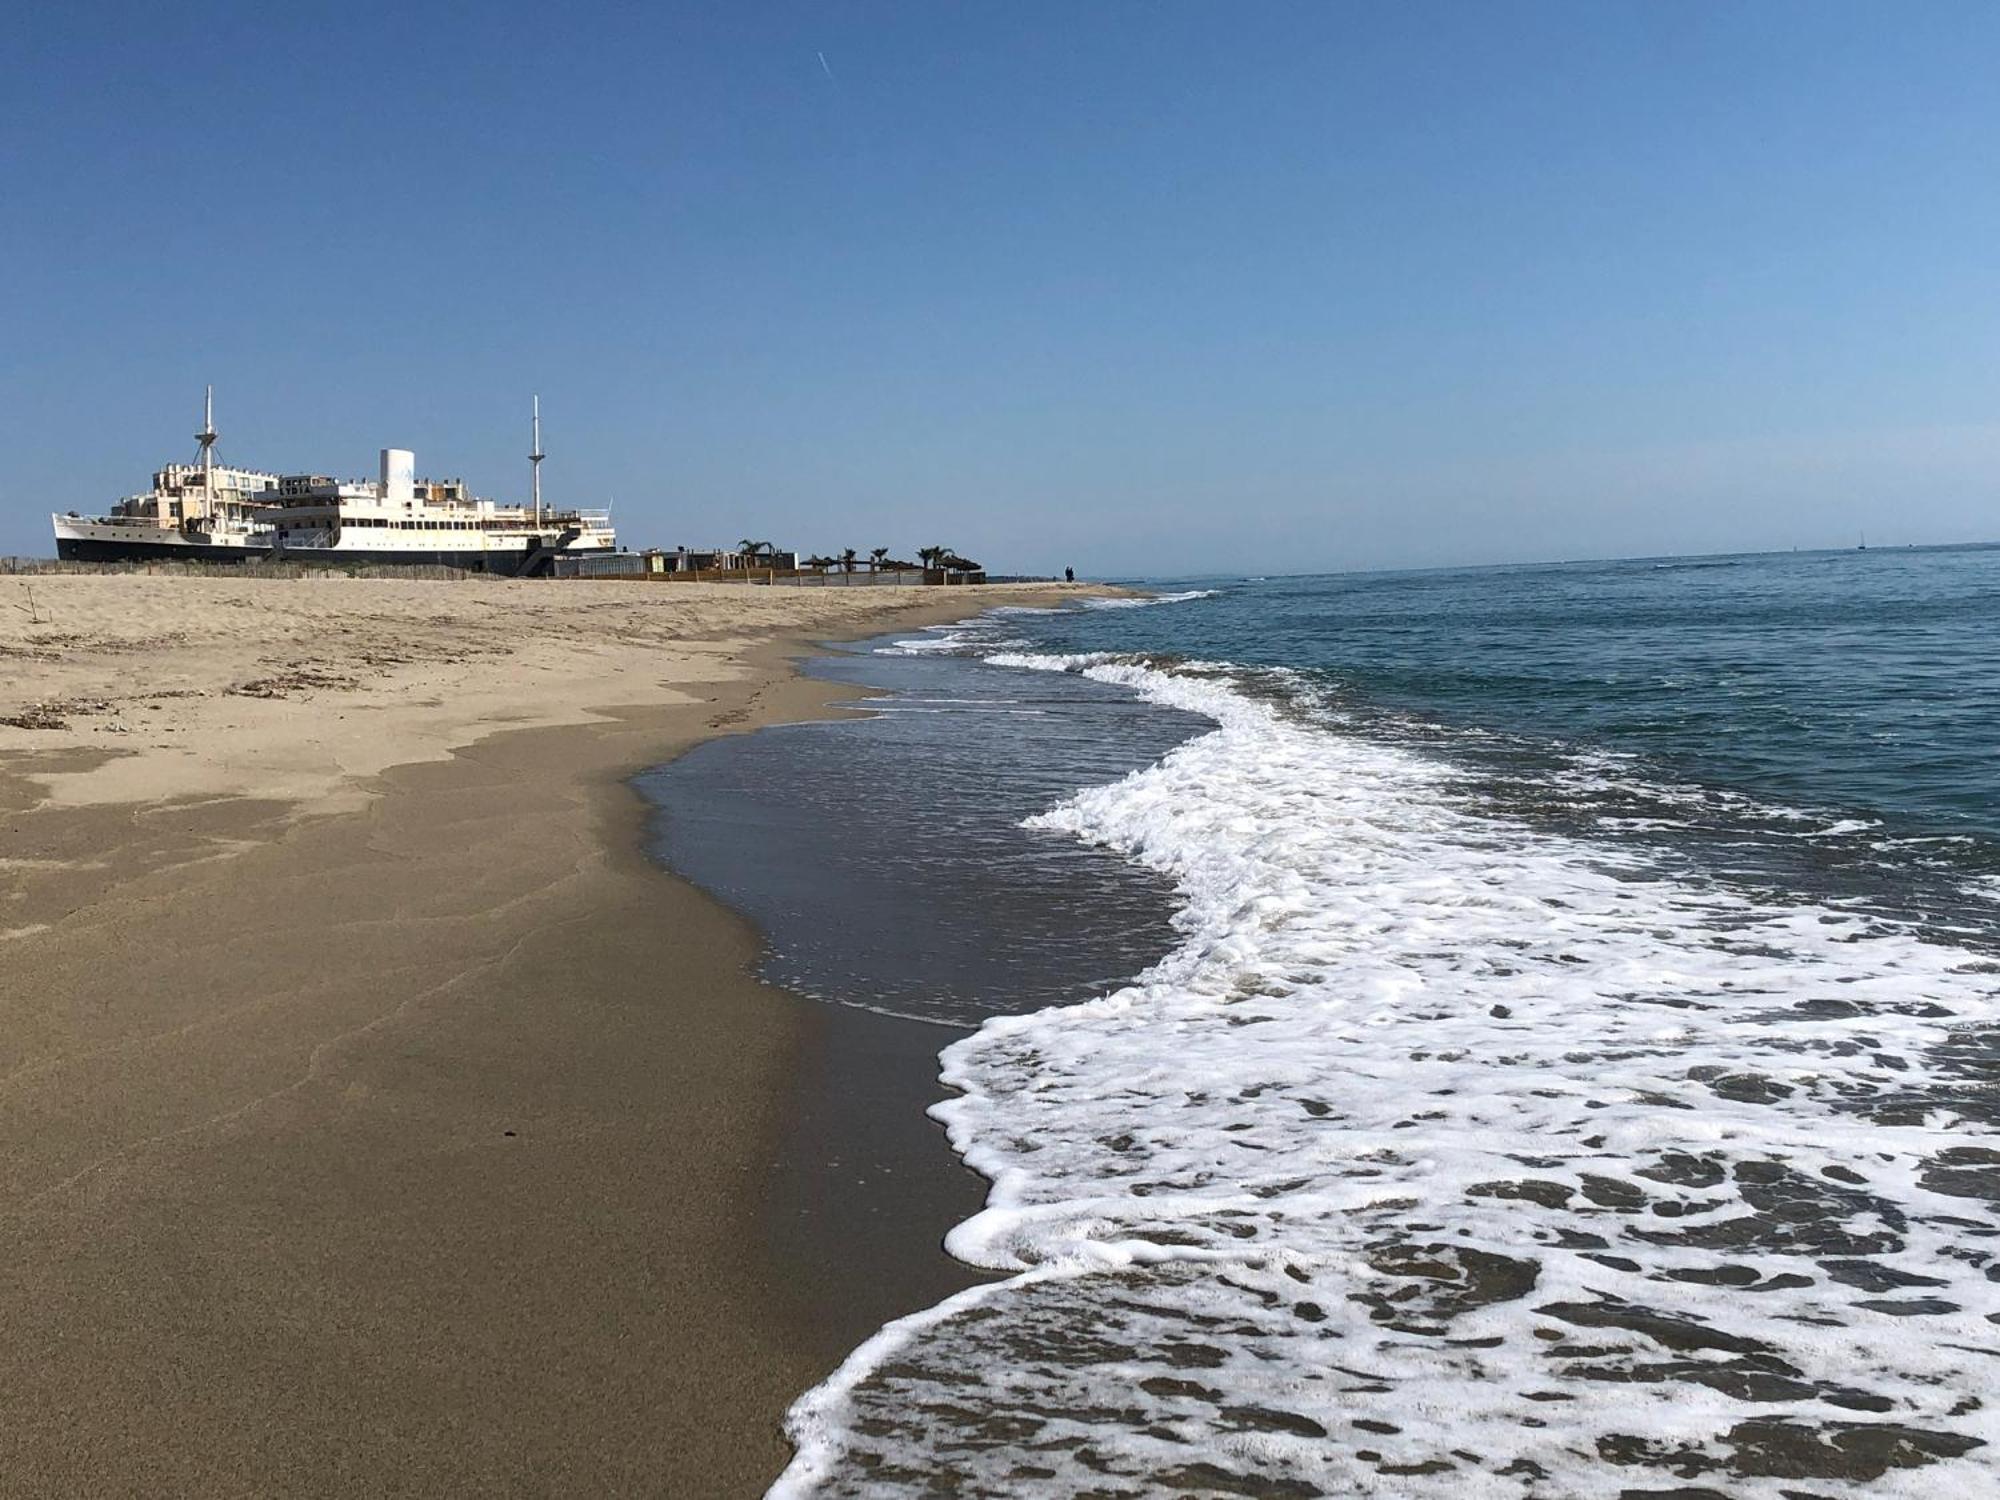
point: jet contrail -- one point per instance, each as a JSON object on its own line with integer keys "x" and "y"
{"x": 822, "y": 65}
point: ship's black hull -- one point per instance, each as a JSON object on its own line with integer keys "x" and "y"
{"x": 78, "y": 549}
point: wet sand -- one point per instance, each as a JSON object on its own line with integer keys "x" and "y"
{"x": 422, "y": 1143}
{"x": 863, "y": 1178}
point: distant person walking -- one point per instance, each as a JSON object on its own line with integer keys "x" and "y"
{"x": 1069, "y": 575}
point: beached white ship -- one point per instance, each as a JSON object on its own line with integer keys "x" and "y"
{"x": 213, "y": 513}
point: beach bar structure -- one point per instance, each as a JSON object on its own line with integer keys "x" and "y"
{"x": 723, "y": 565}
{"x": 680, "y": 562}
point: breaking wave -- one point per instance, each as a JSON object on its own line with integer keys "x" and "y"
{"x": 1140, "y": 601}
{"x": 1449, "y": 1156}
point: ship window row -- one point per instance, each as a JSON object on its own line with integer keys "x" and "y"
{"x": 412, "y": 525}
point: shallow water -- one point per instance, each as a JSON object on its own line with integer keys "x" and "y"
{"x": 1571, "y": 1072}
{"x": 885, "y": 857}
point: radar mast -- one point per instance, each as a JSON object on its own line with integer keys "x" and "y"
{"x": 206, "y": 437}
{"x": 535, "y": 457}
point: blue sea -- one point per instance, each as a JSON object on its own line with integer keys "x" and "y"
{"x": 1515, "y": 1032}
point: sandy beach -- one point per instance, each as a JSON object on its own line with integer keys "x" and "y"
{"x": 374, "y": 1117}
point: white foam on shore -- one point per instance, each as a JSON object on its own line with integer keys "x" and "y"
{"x": 1448, "y": 1157}
{"x": 1141, "y": 601}
{"x": 975, "y": 635}
{"x": 1070, "y": 663}
{"x": 942, "y": 638}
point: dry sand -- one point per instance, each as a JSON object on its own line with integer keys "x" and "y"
{"x": 374, "y": 1119}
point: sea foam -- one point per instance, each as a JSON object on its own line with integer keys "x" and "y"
{"x": 1141, "y": 601}
{"x": 1448, "y": 1157}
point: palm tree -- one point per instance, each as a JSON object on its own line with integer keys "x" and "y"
{"x": 847, "y": 560}
{"x": 876, "y": 557}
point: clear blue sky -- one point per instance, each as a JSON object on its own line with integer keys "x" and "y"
{"x": 1145, "y": 287}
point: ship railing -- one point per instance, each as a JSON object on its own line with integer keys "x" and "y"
{"x": 61, "y": 516}
{"x": 145, "y": 523}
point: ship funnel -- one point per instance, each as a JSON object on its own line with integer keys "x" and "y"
{"x": 399, "y": 475}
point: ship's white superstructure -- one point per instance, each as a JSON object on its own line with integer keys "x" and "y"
{"x": 212, "y": 513}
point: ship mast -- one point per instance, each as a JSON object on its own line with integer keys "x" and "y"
{"x": 535, "y": 457}
{"x": 206, "y": 437}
